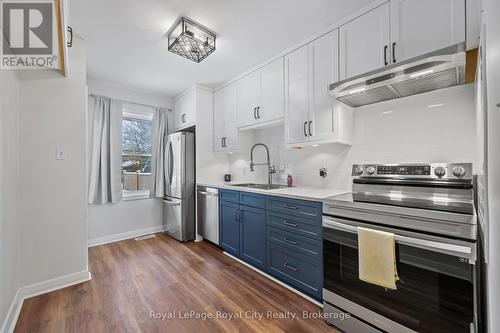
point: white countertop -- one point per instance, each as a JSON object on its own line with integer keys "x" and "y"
{"x": 300, "y": 192}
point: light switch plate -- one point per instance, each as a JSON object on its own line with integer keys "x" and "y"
{"x": 60, "y": 154}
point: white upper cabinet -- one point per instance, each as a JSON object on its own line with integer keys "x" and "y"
{"x": 261, "y": 95}
{"x": 399, "y": 30}
{"x": 311, "y": 115}
{"x": 219, "y": 119}
{"x": 422, "y": 26}
{"x": 296, "y": 95}
{"x": 271, "y": 105}
{"x": 231, "y": 137}
{"x": 185, "y": 109}
{"x": 226, "y": 134}
{"x": 364, "y": 42}
{"x": 249, "y": 99}
{"x": 323, "y": 61}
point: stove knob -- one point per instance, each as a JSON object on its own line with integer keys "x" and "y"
{"x": 439, "y": 171}
{"x": 458, "y": 171}
{"x": 358, "y": 170}
{"x": 370, "y": 170}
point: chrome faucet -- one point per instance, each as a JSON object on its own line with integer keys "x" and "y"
{"x": 270, "y": 168}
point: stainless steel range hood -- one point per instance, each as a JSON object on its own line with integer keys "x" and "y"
{"x": 440, "y": 69}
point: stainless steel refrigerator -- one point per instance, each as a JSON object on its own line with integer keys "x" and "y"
{"x": 179, "y": 198}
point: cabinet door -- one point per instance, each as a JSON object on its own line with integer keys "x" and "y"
{"x": 364, "y": 43}
{"x": 324, "y": 60}
{"x": 185, "y": 109}
{"x": 272, "y": 102}
{"x": 219, "y": 119}
{"x": 248, "y": 98}
{"x": 422, "y": 26}
{"x": 253, "y": 236}
{"x": 296, "y": 95}
{"x": 229, "y": 228}
{"x": 231, "y": 138}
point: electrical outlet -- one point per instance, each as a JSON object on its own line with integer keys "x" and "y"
{"x": 60, "y": 154}
{"x": 323, "y": 172}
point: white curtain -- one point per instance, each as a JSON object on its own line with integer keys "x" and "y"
{"x": 160, "y": 132}
{"x": 106, "y": 151}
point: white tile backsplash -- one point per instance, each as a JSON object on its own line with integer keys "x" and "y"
{"x": 433, "y": 127}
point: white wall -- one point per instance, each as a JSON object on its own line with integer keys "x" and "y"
{"x": 404, "y": 130}
{"x": 9, "y": 164}
{"x": 491, "y": 11}
{"x": 53, "y": 224}
{"x": 126, "y": 218}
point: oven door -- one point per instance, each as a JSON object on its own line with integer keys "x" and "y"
{"x": 435, "y": 292}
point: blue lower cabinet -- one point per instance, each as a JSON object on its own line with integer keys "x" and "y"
{"x": 229, "y": 196}
{"x": 280, "y": 236}
{"x": 253, "y": 200}
{"x": 295, "y": 242}
{"x": 297, "y": 270}
{"x": 253, "y": 236}
{"x": 229, "y": 228}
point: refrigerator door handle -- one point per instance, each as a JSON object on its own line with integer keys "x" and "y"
{"x": 170, "y": 162}
{"x": 165, "y": 167}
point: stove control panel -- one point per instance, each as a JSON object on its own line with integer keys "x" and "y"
{"x": 417, "y": 170}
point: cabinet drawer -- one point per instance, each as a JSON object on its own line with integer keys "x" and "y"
{"x": 308, "y": 209}
{"x": 229, "y": 196}
{"x": 307, "y": 246}
{"x": 301, "y": 226}
{"x": 253, "y": 200}
{"x": 295, "y": 269}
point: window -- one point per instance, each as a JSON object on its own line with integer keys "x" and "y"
{"x": 136, "y": 150}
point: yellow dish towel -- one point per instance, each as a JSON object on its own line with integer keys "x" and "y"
{"x": 377, "y": 258}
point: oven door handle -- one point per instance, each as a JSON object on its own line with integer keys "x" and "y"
{"x": 420, "y": 243}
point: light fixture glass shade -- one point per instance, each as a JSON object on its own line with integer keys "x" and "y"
{"x": 191, "y": 40}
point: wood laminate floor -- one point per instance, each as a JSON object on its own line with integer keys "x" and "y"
{"x": 132, "y": 280}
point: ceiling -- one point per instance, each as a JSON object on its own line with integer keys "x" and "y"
{"x": 126, "y": 42}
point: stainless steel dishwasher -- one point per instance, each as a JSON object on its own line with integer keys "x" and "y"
{"x": 208, "y": 213}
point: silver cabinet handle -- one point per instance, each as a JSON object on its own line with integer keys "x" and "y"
{"x": 385, "y": 55}
{"x": 295, "y": 225}
{"x": 289, "y": 241}
{"x": 310, "y": 123}
{"x": 258, "y": 112}
{"x": 290, "y": 206}
{"x": 290, "y": 267}
{"x": 305, "y": 131}
{"x": 210, "y": 194}
{"x": 255, "y": 113}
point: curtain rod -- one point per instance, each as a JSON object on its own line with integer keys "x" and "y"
{"x": 124, "y": 101}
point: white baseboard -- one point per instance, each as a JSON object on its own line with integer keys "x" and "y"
{"x": 11, "y": 318}
{"x": 47, "y": 286}
{"x": 38, "y": 289}
{"x": 310, "y": 299}
{"x": 126, "y": 235}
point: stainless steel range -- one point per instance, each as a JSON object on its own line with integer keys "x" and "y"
{"x": 430, "y": 210}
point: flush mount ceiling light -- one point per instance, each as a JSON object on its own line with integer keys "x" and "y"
{"x": 191, "y": 40}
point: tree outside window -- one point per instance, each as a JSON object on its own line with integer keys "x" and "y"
{"x": 136, "y": 154}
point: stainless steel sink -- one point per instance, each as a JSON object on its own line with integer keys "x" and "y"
{"x": 259, "y": 186}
